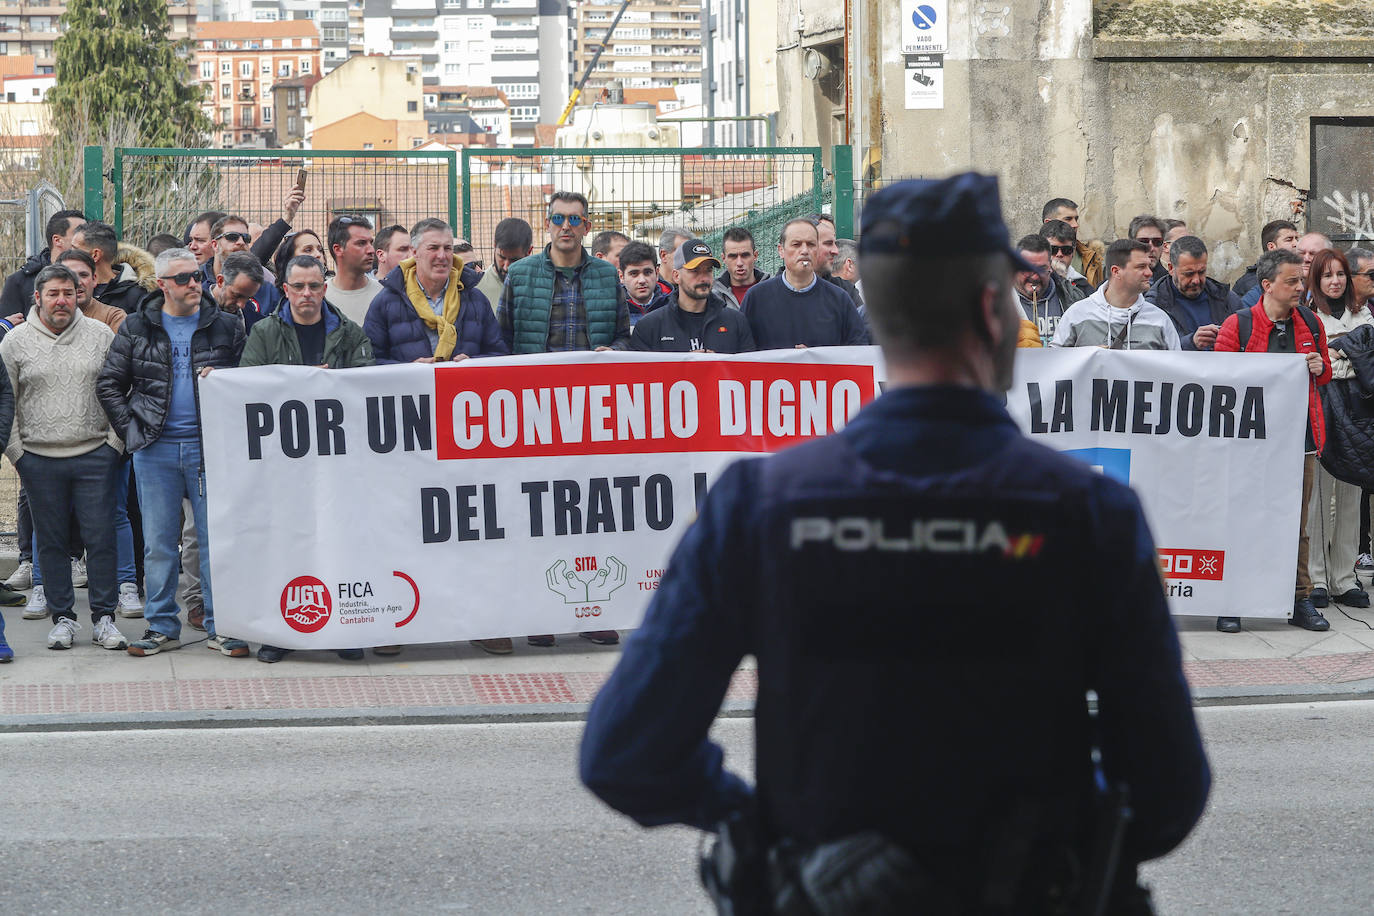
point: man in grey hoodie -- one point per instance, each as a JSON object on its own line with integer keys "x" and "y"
{"x": 1117, "y": 316}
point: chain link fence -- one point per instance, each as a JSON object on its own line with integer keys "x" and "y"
{"x": 162, "y": 190}
{"x": 643, "y": 192}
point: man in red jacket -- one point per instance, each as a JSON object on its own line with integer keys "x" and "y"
{"x": 1279, "y": 325}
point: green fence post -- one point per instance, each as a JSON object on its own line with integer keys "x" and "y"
{"x": 453, "y": 190}
{"x": 93, "y": 203}
{"x": 843, "y": 158}
{"x": 817, "y": 181}
{"x": 467, "y": 195}
{"x": 119, "y": 191}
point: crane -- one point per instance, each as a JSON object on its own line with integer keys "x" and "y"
{"x": 591, "y": 64}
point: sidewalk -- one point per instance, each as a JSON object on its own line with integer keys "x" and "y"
{"x": 90, "y": 687}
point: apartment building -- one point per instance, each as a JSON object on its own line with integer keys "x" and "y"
{"x": 656, "y": 45}
{"x": 340, "y": 22}
{"x": 740, "y": 48}
{"x": 31, "y": 27}
{"x": 237, "y": 64}
{"x": 456, "y": 109}
{"x": 518, "y": 46}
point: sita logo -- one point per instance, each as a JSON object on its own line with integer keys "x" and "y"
{"x": 305, "y": 604}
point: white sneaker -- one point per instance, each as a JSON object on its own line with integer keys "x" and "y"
{"x": 78, "y": 574}
{"x": 129, "y": 603}
{"x": 62, "y": 633}
{"x": 37, "y": 608}
{"x": 22, "y": 578}
{"x": 107, "y": 635}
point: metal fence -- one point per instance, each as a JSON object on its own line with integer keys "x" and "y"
{"x": 642, "y": 192}
{"x": 152, "y": 191}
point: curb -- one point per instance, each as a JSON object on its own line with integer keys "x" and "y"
{"x": 1287, "y": 693}
{"x": 315, "y": 718}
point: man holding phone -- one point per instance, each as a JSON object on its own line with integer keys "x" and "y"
{"x": 1195, "y": 303}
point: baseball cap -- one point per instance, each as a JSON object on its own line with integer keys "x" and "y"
{"x": 692, "y": 253}
{"x": 961, "y": 214}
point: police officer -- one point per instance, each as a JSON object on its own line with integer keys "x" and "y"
{"x": 951, "y": 771}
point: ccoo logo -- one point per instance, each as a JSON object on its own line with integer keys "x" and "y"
{"x": 305, "y": 604}
{"x": 923, "y": 17}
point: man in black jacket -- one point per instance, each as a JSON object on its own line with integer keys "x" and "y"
{"x": 18, "y": 292}
{"x": 118, "y": 283}
{"x": 148, "y": 389}
{"x": 694, "y": 319}
{"x": 1195, "y": 303}
{"x": 1280, "y": 233}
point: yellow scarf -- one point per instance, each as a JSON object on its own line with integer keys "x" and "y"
{"x": 447, "y": 323}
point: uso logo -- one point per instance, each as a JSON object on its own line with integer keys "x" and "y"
{"x": 305, "y": 604}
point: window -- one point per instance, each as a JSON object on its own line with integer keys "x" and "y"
{"x": 226, "y": 67}
{"x": 416, "y": 141}
{"x": 451, "y": 47}
{"x": 225, "y": 115}
{"x": 245, "y": 68}
{"x": 474, "y": 24}
{"x": 267, "y": 114}
{"x": 525, "y": 113}
{"x": 367, "y": 146}
{"x": 286, "y": 42}
{"x": 266, "y": 68}
{"x": 519, "y": 90}
{"x": 292, "y": 125}
{"x": 305, "y": 65}
{"x": 412, "y": 106}
{"x": 284, "y": 68}
{"x": 207, "y": 70}
{"x": 225, "y": 90}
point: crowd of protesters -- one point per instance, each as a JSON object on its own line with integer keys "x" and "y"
{"x": 1151, "y": 291}
{"x": 103, "y": 344}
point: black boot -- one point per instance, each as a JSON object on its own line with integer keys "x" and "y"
{"x": 1308, "y": 617}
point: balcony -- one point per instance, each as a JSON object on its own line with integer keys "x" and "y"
{"x": 245, "y": 95}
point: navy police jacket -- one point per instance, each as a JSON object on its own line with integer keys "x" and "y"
{"x": 848, "y": 567}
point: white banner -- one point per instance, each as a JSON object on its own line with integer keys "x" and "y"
{"x": 543, "y": 494}
{"x": 1211, "y": 442}
{"x": 525, "y": 495}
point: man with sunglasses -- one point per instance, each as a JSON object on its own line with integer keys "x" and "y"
{"x": 148, "y": 389}
{"x": 1149, "y": 231}
{"x": 557, "y": 300}
{"x": 1278, "y": 324}
{"x": 230, "y": 236}
{"x": 1063, "y": 240}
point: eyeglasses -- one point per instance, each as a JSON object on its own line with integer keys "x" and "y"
{"x": 314, "y": 286}
{"x": 235, "y": 237}
{"x": 1061, "y": 249}
{"x": 182, "y": 279}
{"x": 572, "y": 219}
{"x": 1367, "y": 274}
{"x": 1153, "y": 243}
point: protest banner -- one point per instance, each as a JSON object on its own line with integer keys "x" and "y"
{"x": 543, "y": 494}
{"x": 531, "y": 494}
{"x": 1211, "y": 442}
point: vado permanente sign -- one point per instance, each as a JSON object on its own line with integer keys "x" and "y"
{"x": 544, "y": 494}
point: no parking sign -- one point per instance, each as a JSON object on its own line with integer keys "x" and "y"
{"x": 924, "y": 26}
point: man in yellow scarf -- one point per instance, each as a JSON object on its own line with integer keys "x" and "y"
{"x": 429, "y": 309}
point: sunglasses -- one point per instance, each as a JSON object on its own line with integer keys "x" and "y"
{"x": 572, "y": 219}
{"x": 1061, "y": 249}
{"x": 235, "y": 237}
{"x": 353, "y": 221}
{"x": 1153, "y": 243}
{"x": 314, "y": 286}
{"x": 1367, "y": 274}
{"x": 182, "y": 279}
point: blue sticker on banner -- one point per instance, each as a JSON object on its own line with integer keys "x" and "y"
{"x": 1112, "y": 462}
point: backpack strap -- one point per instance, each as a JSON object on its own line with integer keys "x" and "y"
{"x": 1245, "y": 325}
{"x": 1312, "y": 322}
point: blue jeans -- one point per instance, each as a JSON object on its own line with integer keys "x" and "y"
{"x": 167, "y": 472}
{"x": 124, "y": 532}
{"x": 59, "y": 488}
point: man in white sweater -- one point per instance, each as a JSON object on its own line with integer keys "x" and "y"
{"x": 1117, "y": 316}
{"x": 65, "y": 450}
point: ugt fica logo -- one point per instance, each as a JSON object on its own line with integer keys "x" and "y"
{"x": 599, "y": 578}
{"x": 305, "y": 604}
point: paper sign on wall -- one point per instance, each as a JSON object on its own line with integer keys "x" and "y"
{"x": 925, "y": 81}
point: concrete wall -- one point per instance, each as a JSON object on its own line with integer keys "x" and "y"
{"x": 1126, "y": 107}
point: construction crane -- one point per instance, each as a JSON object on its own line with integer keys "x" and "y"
{"x": 591, "y": 64}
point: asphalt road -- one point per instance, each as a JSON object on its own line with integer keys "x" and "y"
{"x": 490, "y": 819}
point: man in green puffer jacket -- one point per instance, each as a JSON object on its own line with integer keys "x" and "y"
{"x": 309, "y": 331}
